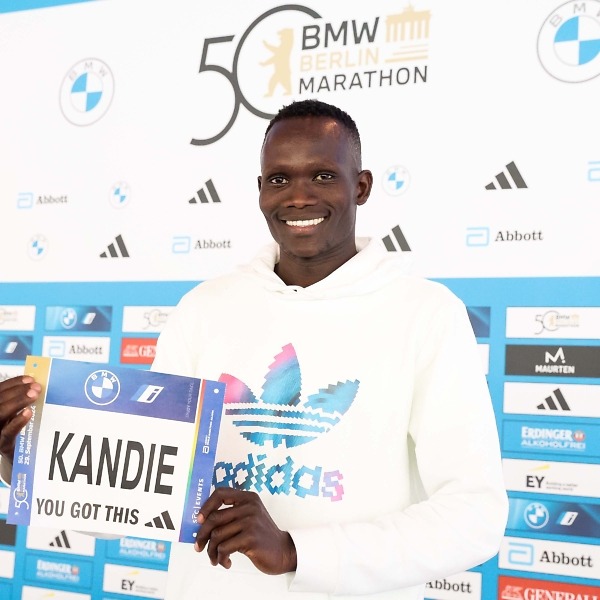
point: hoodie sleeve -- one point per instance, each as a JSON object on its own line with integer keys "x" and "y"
{"x": 456, "y": 453}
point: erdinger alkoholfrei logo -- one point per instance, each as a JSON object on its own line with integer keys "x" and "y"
{"x": 292, "y": 51}
{"x": 86, "y": 91}
{"x": 569, "y": 41}
{"x": 102, "y": 387}
{"x": 280, "y": 416}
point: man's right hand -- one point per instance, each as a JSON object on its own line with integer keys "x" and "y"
{"x": 16, "y": 396}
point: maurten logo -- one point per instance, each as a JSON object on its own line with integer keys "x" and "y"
{"x": 388, "y": 242}
{"x": 201, "y": 194}
{"x": 102, "y": 387}
{"x": 292, "y": 51}
{"x": 569, "y": 41}
{"x": 116, "y": 247}
{"x": 503, "y": 180}
{"x": 86, "y": 91}
{"x": 280, "y": 416}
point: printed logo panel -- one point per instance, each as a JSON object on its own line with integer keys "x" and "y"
{"x": 17, "y": 317}
{"x": 141, "y": 319}
{"x": 78, "y": 318}
{"x": 15, "y": 347}
{"x": 553, "y": 322}
{"x": 149, "y": 551}
{"x": 479, "y": 316}
{"x": 88, "y": 349}
{"x": 8, "y": 533}
{"x": 551, "y": 399}
{"x": 457, "y": 587}
{"x": 138, "y": 351}
{"x": 539, "y": 437}
{"x": 10, "y": 371}
{"x": 4, "y": 497}
{"x": 41, "y": 569}
{"x": 562, "y": 361}
{"x": 516, "y": 588}
{"x": 7, "y": 564}
{"x": 565, "y": 478}
{"x": 60, "y": 540}
{"x": 38, "y": 593}
{"x": 134, "y": 581}
{"x": 549, "y": 516}
{"x": 554, "y": 558}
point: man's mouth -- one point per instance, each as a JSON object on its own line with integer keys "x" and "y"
{"x": 305, "y": 223}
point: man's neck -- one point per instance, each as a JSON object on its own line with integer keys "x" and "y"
{"x": 304, "y": 273}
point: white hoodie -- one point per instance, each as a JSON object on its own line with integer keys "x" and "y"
{"x": 358, "y": 409}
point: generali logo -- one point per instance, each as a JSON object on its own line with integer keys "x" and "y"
{"x": 139, "y": 351}
{"x": 516, "y": 588}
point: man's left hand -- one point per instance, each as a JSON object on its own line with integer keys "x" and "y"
{"x": 245, "y": 526}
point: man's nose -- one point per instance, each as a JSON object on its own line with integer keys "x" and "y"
{"x": 301, "y": 193}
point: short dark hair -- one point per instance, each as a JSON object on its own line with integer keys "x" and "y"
{"x": 316, "y": 108}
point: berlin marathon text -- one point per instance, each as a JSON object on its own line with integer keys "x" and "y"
{"x": 364, "y": 79}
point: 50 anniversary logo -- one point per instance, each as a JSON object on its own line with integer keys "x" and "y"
{"x": 289, "y": 50}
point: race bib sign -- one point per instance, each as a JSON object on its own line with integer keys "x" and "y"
{"x": 116, "y": 450}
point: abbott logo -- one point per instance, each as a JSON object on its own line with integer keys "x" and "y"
{"x": 478, "y": 236}
{"x": 520, "y": 554}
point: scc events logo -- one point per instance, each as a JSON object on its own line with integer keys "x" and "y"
{"x": 290, "y": 51}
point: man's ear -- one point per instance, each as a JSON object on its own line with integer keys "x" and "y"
{"x": 363, "y": 186}
{"x": 259, "y": 180}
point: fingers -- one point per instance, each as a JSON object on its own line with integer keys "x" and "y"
{"x": 16, "y": 396}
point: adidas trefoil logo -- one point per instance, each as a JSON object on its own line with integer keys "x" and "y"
{"x": 280, "y": 416}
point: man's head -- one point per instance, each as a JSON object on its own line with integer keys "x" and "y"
{"x": 316, "y": 108}
{"x": 310, "y": 186}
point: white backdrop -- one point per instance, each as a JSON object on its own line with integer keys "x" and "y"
{"x": 107, "y": 181}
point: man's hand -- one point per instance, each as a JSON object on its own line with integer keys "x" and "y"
{"x": 245, "y": 526}
{"x": 16, "y": 396}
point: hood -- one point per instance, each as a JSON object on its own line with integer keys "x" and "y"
{"x": 370, "y": 269}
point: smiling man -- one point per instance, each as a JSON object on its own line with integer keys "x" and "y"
{"x": 358, "y": 451}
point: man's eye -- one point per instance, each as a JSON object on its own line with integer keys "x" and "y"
{"x": 324, "y": 177}
{"x": 278, "y": 180}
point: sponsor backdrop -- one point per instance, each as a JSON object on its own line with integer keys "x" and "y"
{"x": 129, "y": 145}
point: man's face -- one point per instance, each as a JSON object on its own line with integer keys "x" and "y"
{"x": 310, "y": 186}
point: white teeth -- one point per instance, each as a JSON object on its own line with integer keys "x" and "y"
{"x": 305, "y": 223}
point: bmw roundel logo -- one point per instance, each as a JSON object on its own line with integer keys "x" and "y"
{"x": 38, "y": 247}
{"x": 68, "y": 318}
{"x": 569, "y": 41}
{"x": 86, "y": 91}
{"x": 395, "y": 180}
{"x": 536, "y": 515}
{"x": 102, "y": 387}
